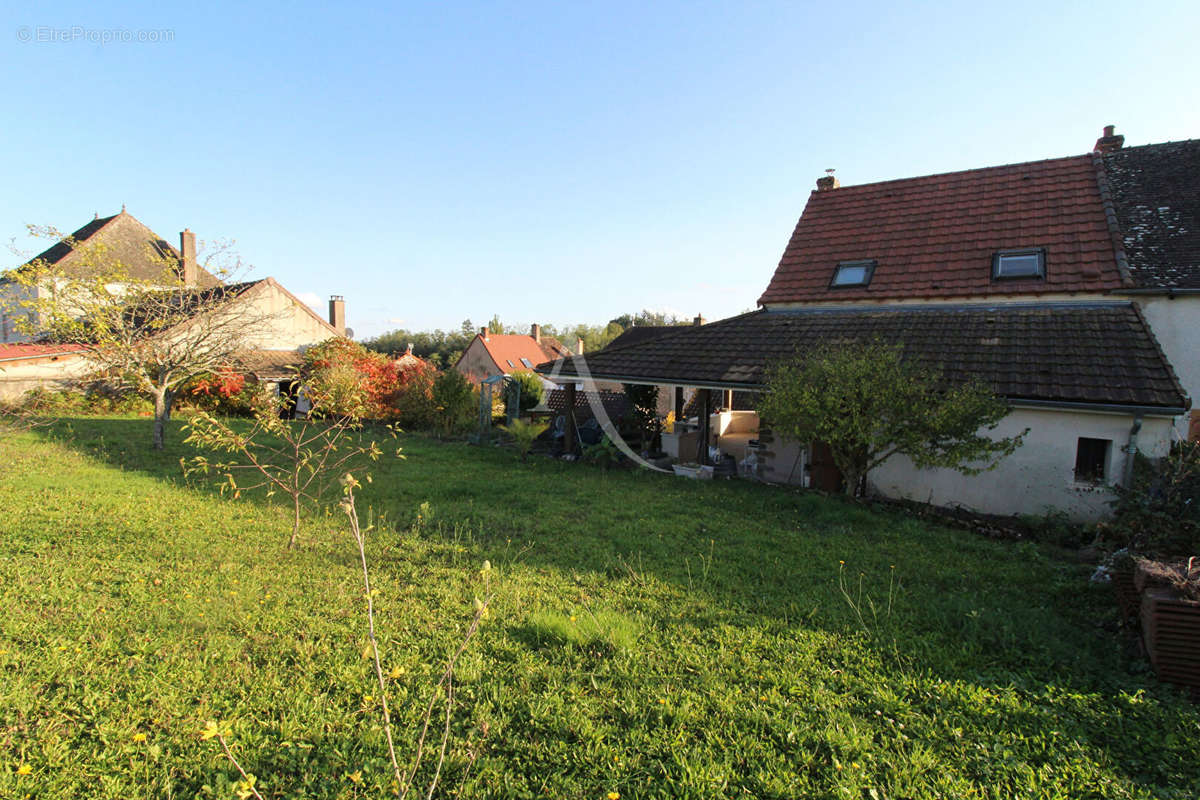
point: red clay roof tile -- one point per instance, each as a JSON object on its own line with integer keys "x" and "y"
{"x": 934, "y": 236}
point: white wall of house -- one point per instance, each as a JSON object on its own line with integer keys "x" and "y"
{"x": 1040, "y": 475}
{"x": 12, "y": 295}
{"x": 283, "y": 322}
{"x": 50, "y": 372}
{"x": 1176, "y": 325}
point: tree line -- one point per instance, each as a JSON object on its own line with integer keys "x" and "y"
{"x": 442, "y": 348}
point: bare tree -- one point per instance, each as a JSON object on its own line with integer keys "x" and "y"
{"x": 149, "y": 335}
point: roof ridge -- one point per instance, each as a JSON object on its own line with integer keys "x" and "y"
{"x": 843, "y": 187}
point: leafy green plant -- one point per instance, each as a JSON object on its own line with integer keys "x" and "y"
{"x": 603, "y": 454}
{"x": 532, "y": 389}
{"x": 524, "y": 433}
{"x": 453, "y": 401}
{"x": 1159, "y": 513}
{"x": 868, "y": 403}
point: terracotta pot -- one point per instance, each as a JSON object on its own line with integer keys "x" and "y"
{"x": 1171, "y": 632}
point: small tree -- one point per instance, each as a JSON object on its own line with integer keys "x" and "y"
{"x": 867, "y": 403}
{"x": 300, "y": 459}
{"x": 149, "y": 335}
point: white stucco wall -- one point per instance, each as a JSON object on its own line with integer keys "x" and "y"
{"x": 1176, "y": 325}
{"x": 281, "y": 321}
{"x": 50, "y": 372}
{"x": 1039, "y": 476}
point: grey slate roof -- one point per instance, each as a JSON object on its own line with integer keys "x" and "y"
{"x": 1096, "y": 353}
{"x": 1156, "y": 196}
{"x": 641, "y": 333}
{"x": 140, "y": 250}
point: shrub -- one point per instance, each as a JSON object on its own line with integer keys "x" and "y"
{"x": 453, "y": 400}
{"x": 531, "y": 389}
{"x": 412, "y": 402}
{"x": 345, "y": 379}
{"x": 1159, "y": 513}
{"x": 523, "y": 434}
{"x": 227, "y": 393}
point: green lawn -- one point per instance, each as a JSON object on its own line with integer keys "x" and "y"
{"x": 650, "y": 636}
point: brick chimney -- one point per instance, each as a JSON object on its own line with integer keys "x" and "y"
{"x": 1109, "y": 141}
{"x": 535, "y": 331}
{"x": 189, "y": 272}
{"x": 337, "y": 313}
{"x": 828, "y": 182}
{"x": 699, "y": 320}
{"x": 578, "y": 346}
{"x": 484, "y": 333}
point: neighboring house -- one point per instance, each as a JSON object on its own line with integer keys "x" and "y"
{"x": 491, "y": 354}
{"x": 1023, "y": 276}
{"x": 145, "y": 255}
{"x": 283, "y": 325}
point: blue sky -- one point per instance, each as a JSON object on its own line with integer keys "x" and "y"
{"x": 553, "y": 162}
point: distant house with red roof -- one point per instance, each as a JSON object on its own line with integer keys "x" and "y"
{"x": 1070, "y": 286}
{"x": 490, "y": 354}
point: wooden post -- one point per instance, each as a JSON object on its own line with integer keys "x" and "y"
{"x": 570, "y": 437}
{"x": 678, "y": 404}
{"x": 729, "y": 399}
{"x": 705, "y": 425}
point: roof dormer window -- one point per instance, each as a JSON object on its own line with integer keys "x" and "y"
{"x": 1008, "y": 264}
{"x": 852, "y": 273}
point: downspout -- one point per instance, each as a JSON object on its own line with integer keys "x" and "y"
{"x": 1131, "y": 450}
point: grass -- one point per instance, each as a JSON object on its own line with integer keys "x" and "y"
{"x": 650, "y": 636}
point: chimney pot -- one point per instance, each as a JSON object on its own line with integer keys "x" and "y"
{"x": 579, "y": 345}
{"x": 337, "y": 313}
{"x": 1110, "y": 141}
{"x": 189, "y": 273}
{"x": 536, "y": 332}
{"x": 408, "y": 352}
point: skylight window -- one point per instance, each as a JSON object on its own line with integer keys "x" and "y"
{"x": 510, "y": 364}
{"x": 852, "y": 273}
{"x": 525, "y": 361}
{"x": 1019, "y": 264}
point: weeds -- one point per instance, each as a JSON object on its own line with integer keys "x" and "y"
{"x": 861, "y": 599}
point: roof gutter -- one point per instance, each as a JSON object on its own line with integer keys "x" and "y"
{"x": 644, "y": 381}
{"x": 1109, "y": 408}
{"x": 1169, "y": 292}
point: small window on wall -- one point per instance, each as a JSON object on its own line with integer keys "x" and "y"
{"x": 1091, "y": 460}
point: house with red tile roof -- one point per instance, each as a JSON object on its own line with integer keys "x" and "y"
{"x": 1070, "y": 286}
{"x": 490, "y": 354}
